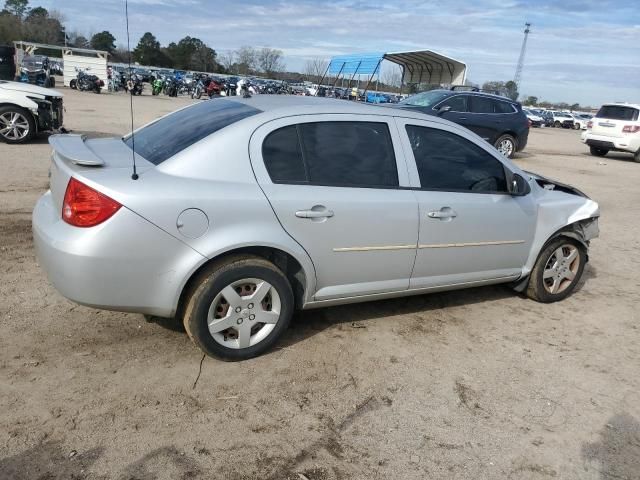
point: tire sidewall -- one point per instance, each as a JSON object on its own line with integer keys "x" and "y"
{"x": 541, "y": 292}
{"x": 198, "y": 309}
{"x": 504, "y": 137}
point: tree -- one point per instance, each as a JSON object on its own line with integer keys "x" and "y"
{"x": 16, "y": 7}
{"x": 270, "y": 61}
{"x": 531, "y": 100}
{"x": 392, "y": 77}
{"x": 37, "y": 12}
{"x": 10, "y": 28}
{"x": 227, "y": 61}
{"x": 314, "y": 68}
{"x": 148, "y": 52}
{"x": 512, "y": 90}
{"x": 246, "y": 60}
{"x": 191, "y": 53}
{"x": 103, "y": 41}
{"x": 574, "y": 107}
{"x": 494, "y": 86}
{"x": 42, "y": 26}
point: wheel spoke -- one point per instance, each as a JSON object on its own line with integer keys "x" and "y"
{"x": 218, "y": 325}
{"x": 555, "y": 286}
{"x": 244, "y": 335}
{"x": 549, "y": 273}
{"x": 267, "y": 317}
{"x": 573, "y": 255}
{"x": 261, "y": 291}
{"x": 5, "y": 130}
{"x": 231, "y": 296}
{"x": 569, "y": 275}
{"x": 558, "y": 254}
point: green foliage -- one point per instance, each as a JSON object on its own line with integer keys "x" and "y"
{"x": 148, "y": 52}
{"x": 531, "y": 100}
{"x": 103, "y": 41}
{"x": 16, "y": 7}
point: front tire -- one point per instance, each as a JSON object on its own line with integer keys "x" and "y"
{"x": 598, "y": 152}
{"x": 17, "y": 125}
{"x": 239, "y": 308}
{"x": 506, "y": 145}
{"x": 557, "y": 271}
{"x": 73, "y": 84}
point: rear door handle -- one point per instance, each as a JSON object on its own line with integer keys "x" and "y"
{"x": 443, "y": 213}
{"x": 317, "y": 211}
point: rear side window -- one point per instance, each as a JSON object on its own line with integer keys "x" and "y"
{"x": 171, "y": 134}
{"x": 616, "y": 112}
{"x": 345, "y": 154}
{"x": 449, "y": 162}
{"x": 481, "y": 105}
{"x": 503, "y": 107}
{"x": 458, "y": 103}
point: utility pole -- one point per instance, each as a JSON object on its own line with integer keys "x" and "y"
{"x": 518, "y": 74}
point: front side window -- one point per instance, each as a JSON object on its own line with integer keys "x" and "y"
{"x": 347, "y": 154}
{"x": 425, "y": 99}
{"x": 458, "y": 103}
{"x": 449, "y": 162}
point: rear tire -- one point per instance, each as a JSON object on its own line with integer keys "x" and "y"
{"x": 557, "y": 271}
{"x": 598, "y": 152}
{"x": 73, "y": 84}
{"x": 557, "y": 124}
{"x": 220, "y": 316}
{"x": 506, "y": 145}
{"x": 636, "y": 156}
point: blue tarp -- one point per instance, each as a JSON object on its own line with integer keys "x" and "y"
{"x": 359, "y": 64}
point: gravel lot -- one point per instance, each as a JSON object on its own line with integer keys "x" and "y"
{"x": 474, "y": 384}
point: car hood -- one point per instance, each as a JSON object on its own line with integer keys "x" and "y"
{"x": 28, "y": 88}
{"x": 550, "y": 184}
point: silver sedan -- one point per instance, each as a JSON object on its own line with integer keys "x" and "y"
{"x": 245, "y": 210}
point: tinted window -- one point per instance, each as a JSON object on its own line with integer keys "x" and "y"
{"x": 282, "y": 156}
{"x": 481, "y": 105}
{"x": 357, "y": 154}
{"x": 177, "y": 131}
{"x": 458, "y": 103}
{"x": 349, "y": 153}
{"x": 615, "y": 112}
{"x": 449, "y": 162}
{"x": 425, "y": 99}
{"x": 503, "y": 107}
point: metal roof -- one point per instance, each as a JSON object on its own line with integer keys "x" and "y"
{"x": 420, "y": 66}
{"x": 20, "y": 44}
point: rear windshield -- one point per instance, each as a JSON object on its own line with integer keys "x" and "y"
{"x": 171, "y": 134}
{"x": 616, "y": 112}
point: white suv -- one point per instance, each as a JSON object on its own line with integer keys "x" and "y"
{"x": 616, "y": 127}
{"x": 27, "y": 109}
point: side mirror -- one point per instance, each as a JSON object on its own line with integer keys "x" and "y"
{"x": 444, "y": 109}
{"x": 519, "y": 187}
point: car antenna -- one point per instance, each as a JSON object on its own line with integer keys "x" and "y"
{"x": 134, "y": 175}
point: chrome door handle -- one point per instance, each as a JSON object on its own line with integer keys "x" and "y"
{"x": 443, "y": 213}
{"x": 324, "y": 213}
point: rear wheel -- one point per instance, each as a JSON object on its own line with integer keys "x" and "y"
{"x": 598, "y": 152}
{"x": 17, "y": 125}
{"x": 577, "y": 126}
{"x": 73, "y": 84}
{"x": 557, "y": 271}
{"x": 636, "y": 156}
{"x": 506, "y": 145}
{"x": 239, "y": 308}
{"x": 557, "y": 124}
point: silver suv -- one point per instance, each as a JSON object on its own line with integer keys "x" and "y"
{"x": 247, "y": 209}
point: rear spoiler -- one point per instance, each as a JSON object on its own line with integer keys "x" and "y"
{"x": 71, "y": 147}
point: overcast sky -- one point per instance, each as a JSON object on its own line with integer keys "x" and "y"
{"x": 585, "y": 51}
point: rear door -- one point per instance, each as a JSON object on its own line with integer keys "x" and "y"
{"x": 338, "y": 185}
{"x": 482, "y": 118}
{"x": 611, "y": 119}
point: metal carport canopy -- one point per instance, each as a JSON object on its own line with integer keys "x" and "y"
{"x": 426, "y": 66}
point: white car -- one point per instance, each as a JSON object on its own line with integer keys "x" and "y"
{"x": 616, "y": 127}
{"x": 27, "y": 109}
{"x": 562, "y": 120}
{"x": 580, "y": 120}
{"x": 536, "y": 120}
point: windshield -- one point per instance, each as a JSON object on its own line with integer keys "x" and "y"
{"x": 425, "y": 99}
{"x": 169, "y": 135}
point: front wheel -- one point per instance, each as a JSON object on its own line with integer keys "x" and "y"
{"x": 557, "y": 124}
{"x": 239, "y": 308}
{"x": 16, "y": 125}
{"x": 577, "y": 126}
{"x": 557, "y": 271}
{"x": 73, "y": 84}
{"x": 598, "y": 152}
{"x": 506, "y": 145}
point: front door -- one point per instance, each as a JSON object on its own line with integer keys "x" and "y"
{"x": 334, "y": 182}
{"x": 471, "y": 228}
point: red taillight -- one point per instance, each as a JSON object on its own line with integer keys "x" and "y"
{"x": 529, "y": 122}
{"x": 631, "y": 128}
{"x": 589, "y": 124}
{"x": 85, "y": 207}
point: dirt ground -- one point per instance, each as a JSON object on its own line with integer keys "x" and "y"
{"x": 475, "y": 384}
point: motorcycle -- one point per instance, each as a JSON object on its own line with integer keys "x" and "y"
{"x": 171, "y": 87}
{"x": 134, "y": 84}
{"x": 85, "y": 82}
{"x": 156, "y": 86}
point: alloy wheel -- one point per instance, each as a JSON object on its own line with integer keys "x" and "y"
{"x": 561, "y": 269}
{"x": 14, "y": 126}
{"x": 505, "y": 147}
{"x": 244, "y": 313}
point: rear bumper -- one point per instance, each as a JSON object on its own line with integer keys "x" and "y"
{"x": 125, "y": 264}
{"x": 623, "y": 144}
